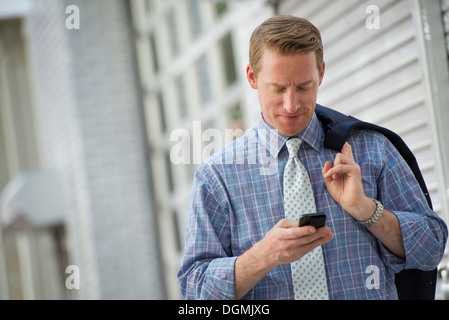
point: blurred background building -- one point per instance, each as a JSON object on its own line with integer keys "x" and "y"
{"x": 92, "y": 92}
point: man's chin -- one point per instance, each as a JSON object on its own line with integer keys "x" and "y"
{"x": 292, "y": 126}
{"x": 290, "y": 129}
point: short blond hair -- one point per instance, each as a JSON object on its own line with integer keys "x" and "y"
{"x": 287, "y": 35}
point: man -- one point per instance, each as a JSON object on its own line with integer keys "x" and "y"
{"x": 239, "y": 243}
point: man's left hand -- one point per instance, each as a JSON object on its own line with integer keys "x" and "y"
{"x": 343, "y": 180}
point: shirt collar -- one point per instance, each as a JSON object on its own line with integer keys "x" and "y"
{"x": 273, "y": 140}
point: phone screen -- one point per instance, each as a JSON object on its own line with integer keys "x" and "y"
{"x": 317, "y": 220}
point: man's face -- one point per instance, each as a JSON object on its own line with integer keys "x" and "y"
{"x": 287, "y": 86}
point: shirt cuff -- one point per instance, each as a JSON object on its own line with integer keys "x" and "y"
{"x": 422, "y": 250}
{"x": 219, "y": 280}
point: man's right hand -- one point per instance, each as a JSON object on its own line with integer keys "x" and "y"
{"x": 287, "y": 242}
{"x": 284, "y": 243}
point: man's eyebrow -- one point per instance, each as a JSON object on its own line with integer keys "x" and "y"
{"x": 274, "y": 84}
{"x": 305, "y": 83}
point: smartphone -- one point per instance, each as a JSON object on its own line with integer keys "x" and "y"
{"x": 317, "y": 220}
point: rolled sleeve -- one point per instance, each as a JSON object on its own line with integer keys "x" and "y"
{"x": 218, "y": 282}
{"x": 424, "y": 239}
{"x": 424, "y": 233}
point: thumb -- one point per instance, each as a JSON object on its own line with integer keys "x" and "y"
{"x": 327, "y": 166}
{"x": 287, "y": 223}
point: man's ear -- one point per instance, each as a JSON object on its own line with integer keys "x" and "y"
{"x": 250, "y": 75}
{"x": 322, "y": 73}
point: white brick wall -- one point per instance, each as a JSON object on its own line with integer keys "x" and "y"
{"x": 90, "y": 120}
{"x": 62, "y": 147}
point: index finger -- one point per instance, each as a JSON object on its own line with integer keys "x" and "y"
{"x": 347, "y": 151}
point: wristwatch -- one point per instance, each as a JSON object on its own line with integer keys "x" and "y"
{"x": 376, "y": 216}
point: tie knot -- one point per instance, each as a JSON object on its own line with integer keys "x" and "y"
{"x": 293, "y": 146}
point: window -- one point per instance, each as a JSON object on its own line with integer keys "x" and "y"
{"x": 195, "y": 18}
{"x": 182, "y": 96}
{"x": 228, "y": 59}
{"x": 203, "y": 79}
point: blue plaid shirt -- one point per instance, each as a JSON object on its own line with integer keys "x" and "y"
{"x": 237, "y": 197}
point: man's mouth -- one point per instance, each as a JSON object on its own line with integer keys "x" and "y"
{"x": 290, "y": 117}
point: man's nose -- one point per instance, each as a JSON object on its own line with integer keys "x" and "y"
{"x": 291, "y": 101}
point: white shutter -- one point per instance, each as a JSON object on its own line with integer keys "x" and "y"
{"x": 376, "y": 74}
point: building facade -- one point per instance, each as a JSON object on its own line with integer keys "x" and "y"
{"x": 71, "y": 109}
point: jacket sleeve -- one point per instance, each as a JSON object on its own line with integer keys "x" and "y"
{"x": 424, "y": 233}
{"x": 207, "y": 269}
